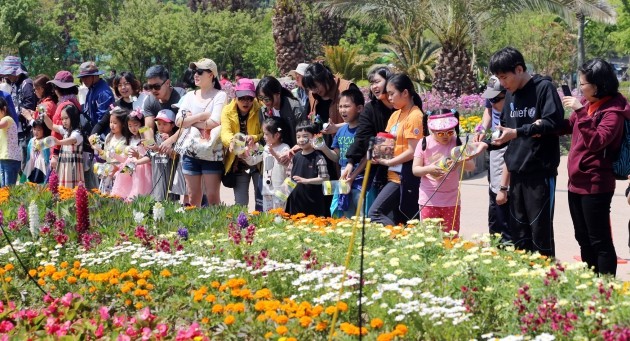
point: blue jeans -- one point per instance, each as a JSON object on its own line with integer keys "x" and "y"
{"x": 9, "y": 170}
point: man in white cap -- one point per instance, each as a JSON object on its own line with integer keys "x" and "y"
{"x": 300, "y": 92}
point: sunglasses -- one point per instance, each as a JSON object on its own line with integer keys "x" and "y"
{"x": 200, "y": 72}
{"x": 156, "y": 87}
{"x": 496, "y": 99}
{"x": 246, "y": 99}
{"x": 264, "y": 99}
{"x": 444, "y": 133}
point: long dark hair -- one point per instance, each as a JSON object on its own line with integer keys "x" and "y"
{"x": 270, "y": 86}
{"x": 402, "y": 82}
{"x": 49, "y": 91}
{"x": 122, "y": 115}
{"x": 74, "y": 116}
{"x": 318, "y": 73}
{"x": 39, "y": 123}
{"x": 382, "y": 71}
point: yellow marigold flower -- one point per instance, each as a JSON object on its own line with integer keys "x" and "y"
{"x": 113, "y": 281}
{"x": 92, "y": 289}
{"x": 142, "y": 282}
{"x": 76, "y": 264}
{"x": 342, "y": 306}
{"x": 261, "y": 318}
{"x": 32, "y": 272}
{"x": 223, "y": 288}
{"x": 149, "y": 286}
{"x": 291, "y": 339}
{"x": 8, "y": 279}
{"x": 127, "y": 302}
{"x": 316, "y": 311}
{"x": 305, "y": 321}
{"x": 282, "y": 319}
{"x": 246, "y": 294}
{"x": 138, "y": 305}
{"x": 376, "y": 323}
{"x": 217, "y": 309}
{"x": 321, "y": 326}
{"x": 330, "y": 310}
{"x": 268, "y": 335}
{"x": 8, "y": 267}
{"x": 263, "y": 293}
{"x": 229, "y": 307}
{"x": 64, "y": 264}
{"x": 146, "y": 273}
{"x": 282, "y": 330}
{"x": 165, "y": 273}
{"x": 205, "y": 320}
{"x": 71, "y": 280}
{"x": 215, "y": 284}
{"x": 400, "y": 330}
{"x": 385, "y": 337}
{"x": 229, "y": 320}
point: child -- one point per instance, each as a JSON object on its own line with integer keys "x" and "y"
{"x": 113, "y": 148}
{"x": 37, "y": 154}
{"x": 10, "y": 154}
{"x": 351, "y": 103}
{"x": 438, "y": 197}
{"x": 308, "y": 169}
{"x": 70, "y": 164}
{"x": 165, "y": 168}
{"x": 134, "y": 175}
{"x": 274, "y": 172}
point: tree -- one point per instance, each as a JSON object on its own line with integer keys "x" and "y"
{"x": 456, "y": 25}
{"x": 286, "y": 33}
{"x": 599, "y": 11}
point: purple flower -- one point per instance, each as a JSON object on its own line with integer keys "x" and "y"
{"x": 1, "y": 218}
{"x": 242, "y": 220}
{"x": 22, "y": 216}
{"x": 182, "y": 232}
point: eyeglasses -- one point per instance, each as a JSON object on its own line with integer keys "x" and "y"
{"x": 120, "y": 85}
{"x": 156, "y": 87}
{"x": 444, "y": 133}
{"x": 264, "y": 99}
{"x": 245, "y": 99}
{"x": 200, "y": 72}
{"x": 496, "y": 99}
{"x": 583, "y": 84}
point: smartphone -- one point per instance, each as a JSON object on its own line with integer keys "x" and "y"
{"x": 566, "y": 90}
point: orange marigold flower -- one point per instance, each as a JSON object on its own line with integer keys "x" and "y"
{"x": 282, "y": 319}
{"x": 261, "y": 318}
{"x": 9, "y": 267}
{"x": 229, "y": 320}
{"x": 400, "y": 330}
{"x": 71, "y": 280}
{"x": 321, "y": 326}
{"x": 291, "y": 339}
{"x": 282, "y": 330}
{"x": 127, "y": 302}
{"x": 8, "y": 279}
{"x": 376, "y": 323}
{"x": 268, "y": 335}
{"x": 330, "y": 310}
{"x": 238, "y": 308}
{"x": 165, "y": 273}
{"x": 41, "y": 282}
{"x": 217, "y": 309}
{"x": 263, "y": 293}
{"x": 32, "y": 272}
{"x": 385, "y": 337}
{"x": 342, "y": 306}
{"x": 211, "y": 298}
{"x": 138, "y": 305}
{"x": 215, "y": 284}
{"x": 205, "y": 320}
{"x": 64, "y": 264}
{"x": 305, "y": 321}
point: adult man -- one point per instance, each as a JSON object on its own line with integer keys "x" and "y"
{"x": 23, "y": 95}
{"x": 300, "y": 92}
{"x": 162, "y": 94}
{"x": 533, "y": 150}
{"x": 97, "y": 102}
{"x": 498, "y": 211}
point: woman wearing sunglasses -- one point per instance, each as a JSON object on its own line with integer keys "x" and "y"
{"x": 241, "y": 116}
{"x": 201, "y": 109}
{"x": 438, "y": 171}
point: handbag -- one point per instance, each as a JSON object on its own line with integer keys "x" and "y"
{"x": 201, "y": 144}
{"x": 229, "y": 180}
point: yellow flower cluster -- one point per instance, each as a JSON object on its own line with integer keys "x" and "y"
{"x": 467, "y": 124}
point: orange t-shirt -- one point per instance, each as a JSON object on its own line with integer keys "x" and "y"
{"x": 409, "y": 126}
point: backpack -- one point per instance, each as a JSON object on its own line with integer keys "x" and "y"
{"x": 86, "y": 130}
{"x": 621, "y": 166}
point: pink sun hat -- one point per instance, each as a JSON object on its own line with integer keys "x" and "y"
{"x": 442, "y": 122}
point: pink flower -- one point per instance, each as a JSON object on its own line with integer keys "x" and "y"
{"x": 22, "y": 216}
{"x": 123, "y": 337}
{"x": 104, "y": 312}
{"x": 83, "y": 212}
{"x": 66, "y": 300}
{"x": 64, "y": 329}
{"x": 99, "y": 330}
{"x": 145, "y": 315}
{"x": 131, "y": 332}
{"x": 51, "y": 325}
{"x": 146, "y": 333}
{"x": 6, "y": 326}
{"x": 119, "y": 321}
{"x": 53, "y": 184}
{"x": 162, "y": 329}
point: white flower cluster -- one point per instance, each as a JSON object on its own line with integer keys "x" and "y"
{"x": 158, "y": 212}
{"x": 33, "y": 219}
{"x": 137, "y": 252}
{"x": 438, "y": 309}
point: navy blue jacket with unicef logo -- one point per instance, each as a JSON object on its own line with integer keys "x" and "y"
{"x": 528, "y": 154}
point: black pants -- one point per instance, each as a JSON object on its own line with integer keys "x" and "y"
{"x": 531, "y": 201}
{"x": 498, "y": 216}
{"x": 591, "y": 220}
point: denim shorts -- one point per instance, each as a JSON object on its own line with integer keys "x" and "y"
{"x": 192, "y": 166}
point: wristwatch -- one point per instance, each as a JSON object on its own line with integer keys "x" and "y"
{"x": 503, "y": 188}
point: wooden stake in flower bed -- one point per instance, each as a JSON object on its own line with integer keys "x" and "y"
{"x": 83, "y": 213}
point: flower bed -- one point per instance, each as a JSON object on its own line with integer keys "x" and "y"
{"x": 146, "y": 271}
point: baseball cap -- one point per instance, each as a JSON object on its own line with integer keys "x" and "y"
{"x": 245, "y": 87}
{"x": 300, "y": 69}
{"x": 205, "y": 64}
{"x": 494, "y": 88}
{"x": 166, "y": 115}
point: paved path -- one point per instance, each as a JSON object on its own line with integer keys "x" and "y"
{"x": 474, "y": 217}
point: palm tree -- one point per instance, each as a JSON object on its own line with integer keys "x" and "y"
{"x": 413, "y": 54}
{"x": 286, "y": 34}
{"x": 601, "y": 12}
{"x": 456, "y": 23}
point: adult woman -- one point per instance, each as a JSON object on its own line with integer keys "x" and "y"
{"x": 324, "y": 89}
{"x": 201, "y": 109}
{"x": 67, "y": 92}
{"x": 126, "y": 88}
{"x": 241, "y": 116}
{"x": 597, "y": 127}
{"x": 280, "y": 102}
{"x": 46, "y": 93}
{"x": 373, "y": 120}
{"x": 393, "y": 204}
{"x": 10, "y": 153}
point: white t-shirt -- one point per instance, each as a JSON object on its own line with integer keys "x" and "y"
{"x": 193, "y": 106}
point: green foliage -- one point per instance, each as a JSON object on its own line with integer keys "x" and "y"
{"x": 621, "y": 36}
{"x": 345, "y": 62}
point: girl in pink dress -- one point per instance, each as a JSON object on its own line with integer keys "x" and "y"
{"x": 134, "y": 176}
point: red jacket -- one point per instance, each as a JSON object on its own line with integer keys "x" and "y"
{"x": 595, "y": 145}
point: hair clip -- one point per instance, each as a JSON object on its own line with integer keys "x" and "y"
{"x": 112, "y": 106}
{"x": 453, "y": 111}
{"x": 136, "y": 113}
{"x": 429, "y": 113}
{"x": 279, "y": 129}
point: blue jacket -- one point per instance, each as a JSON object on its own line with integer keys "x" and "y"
{"x": 98, "y": 100}
{"x": 10, "y": 106}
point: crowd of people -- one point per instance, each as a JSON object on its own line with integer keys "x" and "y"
{"x": 306, "y": 151}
